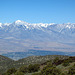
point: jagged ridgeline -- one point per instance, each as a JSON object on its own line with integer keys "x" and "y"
{"x": 7, "y": 63}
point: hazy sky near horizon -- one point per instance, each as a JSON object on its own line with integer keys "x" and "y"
{"x": 36, "y": 11}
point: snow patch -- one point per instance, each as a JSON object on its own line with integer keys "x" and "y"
{"x": 68, "y": 26}
{"x": 0, "y": 24}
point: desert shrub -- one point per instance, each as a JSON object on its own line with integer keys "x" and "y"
{"x": 50, "y": 70}
{"x": 72, "y": 59}
{"x": 63, "y": 74}
{"x": 23, "y": 69}
{"x": 55, "y": 61}
{"x": 11, "y": 71}
{"x": 37, "y": 73}
{"x": 66, "y": 63}
{"x": 19, "y": 73}
{"x": 33, "y": 68}
{"x": 72, "y": 70}
{"x": 49, "y": 64}
{"x": 6, "y": 73}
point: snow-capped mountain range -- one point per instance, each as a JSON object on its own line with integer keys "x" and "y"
{"x": 51, "y": 30}
{"x": 38, "y": 25}
{"x": 41, "y": 36}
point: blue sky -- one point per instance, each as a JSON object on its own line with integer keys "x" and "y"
{"x": 35, "y": 11}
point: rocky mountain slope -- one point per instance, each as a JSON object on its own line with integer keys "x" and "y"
{"x": 7, "y": 63}
{"x": 21, "y": 36}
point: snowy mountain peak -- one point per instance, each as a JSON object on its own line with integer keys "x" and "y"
{"x": 6, "y": 24}
{"x": 18, "y": 21}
